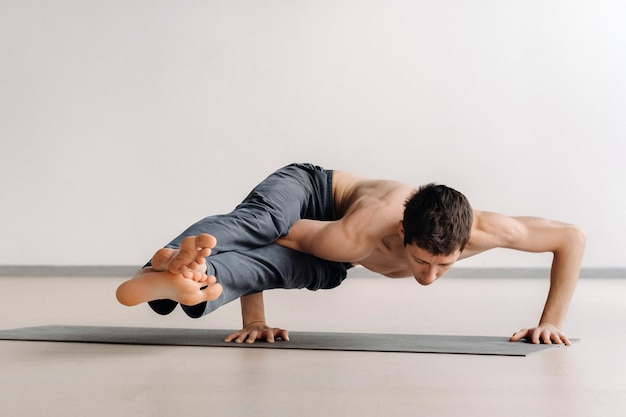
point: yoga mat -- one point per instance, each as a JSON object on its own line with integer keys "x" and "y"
{"x": 470, "y": 345}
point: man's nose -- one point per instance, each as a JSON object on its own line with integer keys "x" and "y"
{"x": 428, "y": 277}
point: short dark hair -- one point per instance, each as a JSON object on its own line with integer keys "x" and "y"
{"x": 437, "y": 219}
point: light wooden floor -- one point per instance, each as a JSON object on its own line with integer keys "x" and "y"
{"x": 56, "y": 379}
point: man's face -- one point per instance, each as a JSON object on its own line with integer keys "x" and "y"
{"x": 426, "y": 267}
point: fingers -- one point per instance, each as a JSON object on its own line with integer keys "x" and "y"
{"x": 552, "y": 335}
{"x": 252, "y": 335}
{"x": 283, "y": 334}
{"x": 557, "y": 337}
{"x": 539, "y": 335}
{"x": 517, "y": 336}
{"x": 231, "y": 337}
{"x": 566, "y": 340}
{"x": 247, "y": 336}
{"x": 273, "y": 334}
{"x": 242, "y": 336}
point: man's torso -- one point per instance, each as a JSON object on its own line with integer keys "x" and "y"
{"x": 376, "y": 206}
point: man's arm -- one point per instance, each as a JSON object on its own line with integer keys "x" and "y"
{"x": 339, "y": 240}
{"x": 254, "y": 326}
{"x": 530, "y": 234}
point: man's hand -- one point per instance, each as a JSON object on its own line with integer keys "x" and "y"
{"x": 543, "y": 333}
{"x": 258, "y": 330}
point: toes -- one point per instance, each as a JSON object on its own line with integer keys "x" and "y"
{"x": 185, "y": 272}
{"x": 188, "y": 248}
{"x": 204, "y": 244}
{"x": 212, "y": 292}
{"x": 207, "y": 279}
{"x": 161, "y": 259}
{"x": 199, "y": 276}
{"x": 190, "y": 255}
{"x": 198, "y": 265}
{"x": 204, "y": 253}
{"x": 205, "y": 241}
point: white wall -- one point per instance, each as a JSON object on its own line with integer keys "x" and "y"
{"x": 124, "y": 121}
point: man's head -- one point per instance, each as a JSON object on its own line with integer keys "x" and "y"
{"x": 436, "y": 227}
{"x": 438, "y": 219}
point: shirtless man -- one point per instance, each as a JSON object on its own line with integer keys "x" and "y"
{"x": 384, "y": 226}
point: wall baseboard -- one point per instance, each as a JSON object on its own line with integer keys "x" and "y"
{"x": 519, "y": 272}
{"x": 56, "y": 271}
{"x": 128, "y": 271}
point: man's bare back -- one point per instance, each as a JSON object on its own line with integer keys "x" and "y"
{"x": 362, "y": 201}
{"x": 370, "y": 211}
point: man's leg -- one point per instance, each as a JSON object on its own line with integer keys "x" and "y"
{"x": 226, "y": 277}
{"x": 261, "y": 269}
{"x": 293, "y": 192}
{"x": 268, "y": 212}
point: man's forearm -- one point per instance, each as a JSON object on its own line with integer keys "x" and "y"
{"x": 252, "y": 308}
{"x": 563, "y": 278}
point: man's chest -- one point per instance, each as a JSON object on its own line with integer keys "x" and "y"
{"x": 388, "y": 259}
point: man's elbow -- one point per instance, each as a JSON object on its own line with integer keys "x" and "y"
{"x": 579, "y": 235}
{"x": 575, "y": 237}
{"x": 290, "y": 244}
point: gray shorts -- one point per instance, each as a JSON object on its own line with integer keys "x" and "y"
{"x": 245, "y": 260}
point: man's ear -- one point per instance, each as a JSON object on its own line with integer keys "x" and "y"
{"x": 401, "y": 230}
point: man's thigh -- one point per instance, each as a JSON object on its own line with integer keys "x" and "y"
{"x": 266, "y": 268}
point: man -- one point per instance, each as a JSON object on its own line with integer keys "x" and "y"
{"x": 304, "y": 226}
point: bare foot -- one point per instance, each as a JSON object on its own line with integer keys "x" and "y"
{"x": 188, "y": 259}
{"x": 178, "y": 275}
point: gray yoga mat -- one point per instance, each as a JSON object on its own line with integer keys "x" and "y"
{"x": 470, "y": 345}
